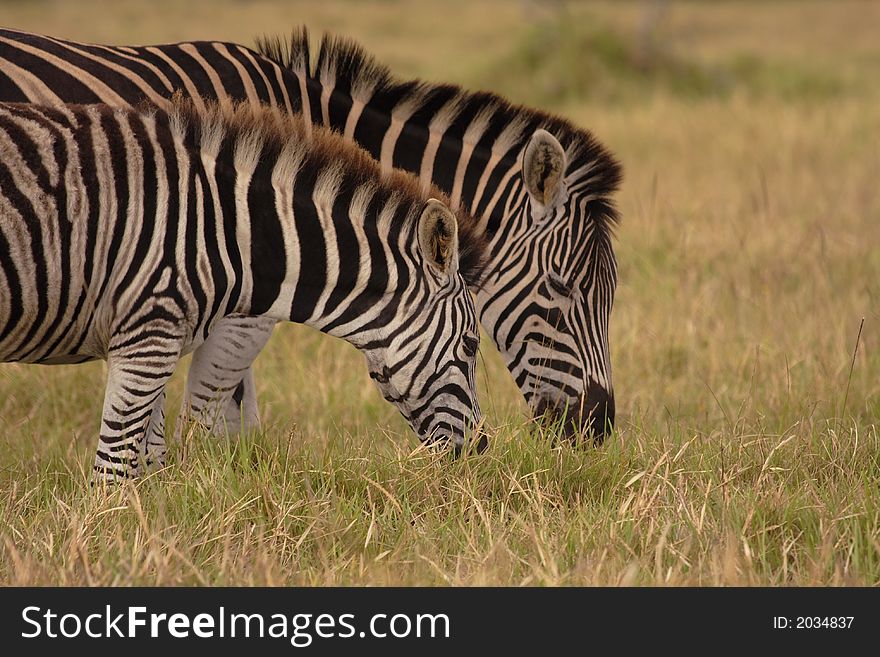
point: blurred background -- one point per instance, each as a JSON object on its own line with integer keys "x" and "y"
{"x": 552, "y": 52}
{"x": 749, "y": 248}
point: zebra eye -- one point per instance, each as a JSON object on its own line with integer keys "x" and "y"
{"x": 471, "y": 344}
{"x": 558, "y": 285}
{"x": 382, "y": 377}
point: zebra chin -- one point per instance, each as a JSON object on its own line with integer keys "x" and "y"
{"x": 585, "y": 420}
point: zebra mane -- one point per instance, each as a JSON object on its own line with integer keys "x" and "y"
{"x": 466, "y": 115}
{"x": 261, "y": 131}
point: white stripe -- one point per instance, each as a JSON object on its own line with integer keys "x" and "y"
{"x": 359, "y": 203}
{"x": 490, "y": 207}
{"x": 306, "y": 103}
{"x": 209, "y": 164}
{"x": 219, "y": 90}
{"x": 325, "y": 104}
{"x": 269, "y": 89}
{"x": 399, "y": 116}
{"x": 135, "y": 57}
{"x": 105, "y": 93}
{"x": 249, "y": 87}
{"x": 245, "y": 159}
{"x": 78, "y": 72}
{"x": 283, "y": 181}
{"x": 354, "y": 115}
{"x": 323, "y": 196}
{"x": 471, "y": 138}
{"x": 191, "y": 90}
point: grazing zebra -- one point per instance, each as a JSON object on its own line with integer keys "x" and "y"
{"x": 538, "y": 188}
{"x": 128, "y": 234}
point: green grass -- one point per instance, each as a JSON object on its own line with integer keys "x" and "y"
{"x": 749, "y": 253}
{"x": 723, "y": 508}
{"x": 577, "y": 54}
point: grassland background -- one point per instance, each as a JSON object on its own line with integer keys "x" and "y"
{"x": 749, "y": 253}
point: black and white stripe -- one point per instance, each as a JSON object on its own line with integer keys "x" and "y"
{"x": 540, "y": 190}
{"x": 128, "y": 235}
{"x": 550, "y": 275}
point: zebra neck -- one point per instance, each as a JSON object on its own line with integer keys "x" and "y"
{"x": 477, "y": 178}
{"x": 309, "y": 260}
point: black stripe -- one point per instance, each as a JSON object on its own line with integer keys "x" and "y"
{"x": 370, "y": 130}
{"x": 118, "y": 81}
{"x": 339, "y": 107}
{"x": 312, "y": 246}
{"x": 268, "y": 260}
{"x": 410, "y": 147}
{"x": 62, "y": 83}
{"x": 9, "y": 90}
{"x": 270, "y": 70}
{"x": 378, "y": 279}
{"x": 347, "y": 247}
{"x": 219, "y": 282}
{"x": 192, "y": 69}
{"x": 174, "y": 78}
{"x": 63, "y": 225}
{"x": 226, "y": 180}
{"x": 146, "y": 228}
{"x": 229, "y": 77}
{"x": 30, "y": 218}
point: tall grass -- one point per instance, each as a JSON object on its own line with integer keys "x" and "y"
{"x": 729, "y": 507}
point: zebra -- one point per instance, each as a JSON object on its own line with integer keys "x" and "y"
{"x": 126, "y": 234}
{"x": 538, "y": 188}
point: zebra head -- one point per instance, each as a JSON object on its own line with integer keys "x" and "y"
{"x": 549, "y": 286}
{"x": 427, "y": 366}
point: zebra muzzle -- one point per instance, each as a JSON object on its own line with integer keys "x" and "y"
{"x": 586, "y": 420}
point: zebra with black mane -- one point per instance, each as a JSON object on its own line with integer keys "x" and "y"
{"x": 129, "y": 234}
{"x": 536, "y": 187}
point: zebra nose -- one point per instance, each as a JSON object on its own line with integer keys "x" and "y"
{"x": 477, "y": 443}
{"x": 593, "y": 417}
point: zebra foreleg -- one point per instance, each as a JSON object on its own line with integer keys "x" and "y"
{"x": 135, "y": 385}
{"x": 244, "y": 402}
{"x": 156, "y": 448}
{"x": 220, "y": 393}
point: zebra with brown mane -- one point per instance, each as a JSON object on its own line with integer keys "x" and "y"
{"x": 130, "y": 234}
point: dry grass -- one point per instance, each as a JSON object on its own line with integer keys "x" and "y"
{"x": 749, "y": 253}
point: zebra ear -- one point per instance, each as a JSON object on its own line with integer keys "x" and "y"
{"x": 438, "y": 236}
{"x": 543, "y": 166}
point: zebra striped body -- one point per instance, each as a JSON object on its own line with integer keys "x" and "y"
{"x": 128, "y": 235}
{"x": 537, "y": 187}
